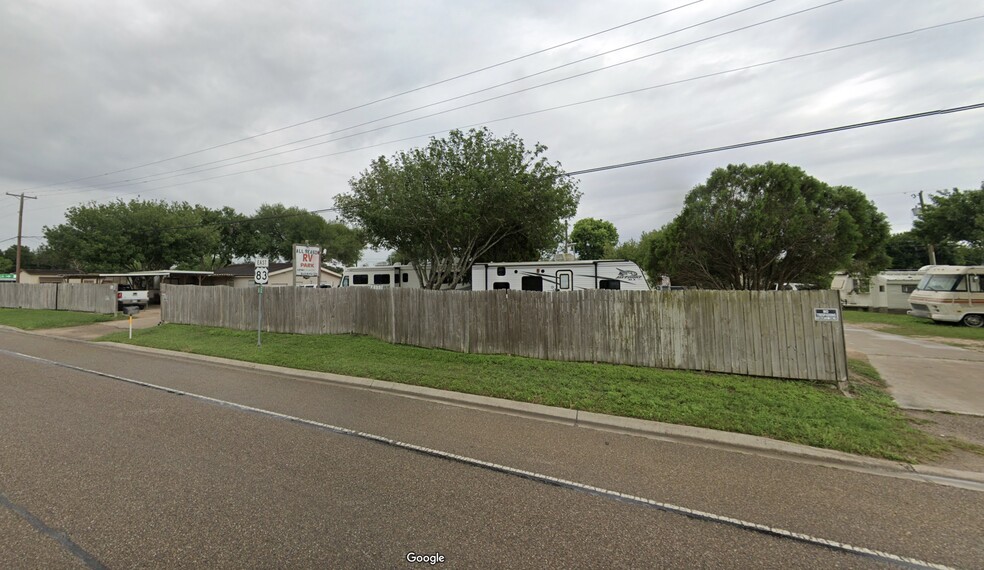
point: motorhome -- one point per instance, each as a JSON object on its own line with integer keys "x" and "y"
{"x": 950, "y": 293}
{"x": 886, "y": 292}
{"x": 559, "y": 275}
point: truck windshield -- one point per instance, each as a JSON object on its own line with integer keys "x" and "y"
{"x": 940, "y": 282}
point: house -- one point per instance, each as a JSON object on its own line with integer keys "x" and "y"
{"x": 35, "y": 276}
{"x": 281, "y": 275}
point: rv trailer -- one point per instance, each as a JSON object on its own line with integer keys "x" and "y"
{"x": 950, "y": 294}
{"x": 885, "y": 292}
{"x": 559, "y": 275}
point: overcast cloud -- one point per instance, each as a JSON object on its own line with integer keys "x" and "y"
{"x": 96, "y": 87}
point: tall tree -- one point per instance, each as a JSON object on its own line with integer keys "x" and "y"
{"x": 274, "y": 229}
{"x": 131, "y": 236}
{"x": 446, "y": 206}
{"x": 594, "y": 239}
{"x": 908, "y": 251}
{"x": 751, "y": 227}
{"x": 953, "y": 215}
{"x": 641, "y": 252}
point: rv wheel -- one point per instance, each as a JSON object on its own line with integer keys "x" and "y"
{"x": 976, "y": 321}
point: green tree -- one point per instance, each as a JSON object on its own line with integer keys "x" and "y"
{"x": 6, "y": 265}
{"x": 132, "y": 236}
{"x": 594, "y": 239}
{"x": 463, "y": 197}
{"x": 908, "y": 251}
{"x": 954, "y": 216}
{"x": 275, "y": 228}
{"x": 751, "y": 227}
{"x": 641, "y": 252}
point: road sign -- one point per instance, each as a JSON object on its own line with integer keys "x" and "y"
{"x": 262, "y": 262}
{"x": 261, "y": 275}
{"x": 8, "y": 277}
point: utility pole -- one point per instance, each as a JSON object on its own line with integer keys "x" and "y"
{"x": 929, "y": 247}
{"x": 20, "y": 231}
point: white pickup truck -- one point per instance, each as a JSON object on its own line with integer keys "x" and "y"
{"x": 126, "y": 296}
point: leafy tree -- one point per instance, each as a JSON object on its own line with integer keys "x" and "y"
{"x": 463, "y": 198}
{"x": 641, "y": 252}
{"x": 6, "y": 265}
{"x": 751, "y": 227}
{"x": 953, "y": 215}
{"x": 275, "y": 228}
{"x": 593, "y": 238}
{"x": 132, "y": 236}
{"x": 908, "y": 251}
{"x": 10, "y": 254}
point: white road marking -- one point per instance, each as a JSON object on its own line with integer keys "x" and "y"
{"x": 668, "y": 507}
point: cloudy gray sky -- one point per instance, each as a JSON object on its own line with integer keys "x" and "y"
{"x": 116, "y": 99}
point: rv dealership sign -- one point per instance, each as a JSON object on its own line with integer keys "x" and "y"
{"x": 307, "y": 260}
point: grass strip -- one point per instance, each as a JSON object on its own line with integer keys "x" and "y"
{"x": 868, "y": 423}
{"x": 32, "y": 319}
{"x": 911, "y": 326}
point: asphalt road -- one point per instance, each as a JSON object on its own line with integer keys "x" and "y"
{"x": 96, "y": 471}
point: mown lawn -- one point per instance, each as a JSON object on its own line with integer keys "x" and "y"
{"x": 31, "y": 319}
{"x": 911, "y": 326}
{"x": 868, "y": 423}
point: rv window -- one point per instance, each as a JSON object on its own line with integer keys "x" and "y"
{"x": 500, "y": 285}
{"x": 360, "y": 280}
{"x": 383, "y": 279}
{"x": 881, "y": 288}
{"x": 345, "y": 281}
{"x": 532, "y": 283}
{"x": 908, "y": 288}
{"x": 406, "y": 277}
{"x": 941, "y": 283}
{"x": 500, "y": 270}
{"x": 609, "y": 284}
{"x": 977, "y": 283}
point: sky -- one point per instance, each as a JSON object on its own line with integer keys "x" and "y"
{"x": 210, "y": 101}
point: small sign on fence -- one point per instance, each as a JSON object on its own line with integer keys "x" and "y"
{"x": 7, "y": 277}
{"x": 826, "y": 315}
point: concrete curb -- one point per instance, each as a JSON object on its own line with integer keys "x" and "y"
{"x": 669, "y": 432}
{"x": 730, "y": 441}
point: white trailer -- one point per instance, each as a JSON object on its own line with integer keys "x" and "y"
{"x": 381, "y": 276}
{"x": 559, "y": 275}
{"x": 887, "y": 291}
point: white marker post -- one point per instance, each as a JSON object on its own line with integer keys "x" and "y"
{"x": 261, "y": 276}
{"x": 131, "y": 326}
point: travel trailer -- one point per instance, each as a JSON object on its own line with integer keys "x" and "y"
{"x": 886, "y": 292}
{"x": 559, "y": 275}
{"x": 380, "y": 276}
{"x": 950, "y": 293}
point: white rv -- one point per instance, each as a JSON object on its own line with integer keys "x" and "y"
{"x": 380, "y": 276}
{"x": 950, "y": 293}
{"x": 887, "y": 291}
{"x": 559, "y": 275}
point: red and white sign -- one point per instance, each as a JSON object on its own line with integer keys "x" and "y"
{"x": 307, "y": 260}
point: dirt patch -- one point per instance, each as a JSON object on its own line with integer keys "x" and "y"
{"x": 955, "y": 428}
{"x": 968, "y": 343}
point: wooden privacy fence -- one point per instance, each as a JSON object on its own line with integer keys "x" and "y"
{"x": 761, "y": 333}
{"x": 85, "y": 297}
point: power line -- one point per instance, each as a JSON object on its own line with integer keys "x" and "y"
{"x": 780, "y": 139}
{"x": 379, "y": 100}
{"x": 665, "y": 157}
{"x": 162, "y": 175}
{"x": 519, "y": 115}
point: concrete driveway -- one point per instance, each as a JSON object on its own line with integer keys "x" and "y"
{"x": 151, "y": 317}
{"x": 924, "y": 375}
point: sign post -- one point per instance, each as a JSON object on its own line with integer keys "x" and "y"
{"x": 261, "y": 276}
